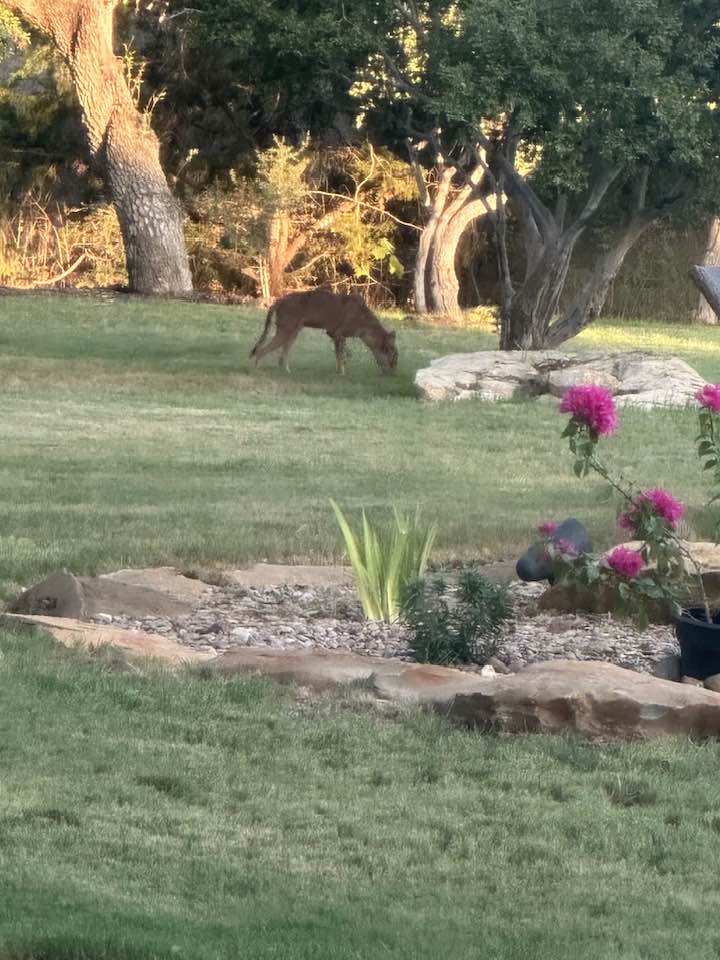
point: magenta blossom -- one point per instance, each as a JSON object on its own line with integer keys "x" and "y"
{"x": 625, "y": 562}
{"x": 593, "y": 406}
{"x": 709, "y": 397}
{"x": 662, "y": 503}
{"x": 548, "y": 528}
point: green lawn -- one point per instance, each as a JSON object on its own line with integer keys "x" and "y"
{"x": 146, "y": 815}
{"x": 136, "y": 432}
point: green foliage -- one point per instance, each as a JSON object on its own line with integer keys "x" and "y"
{"x": 281, "y": 176}
{"x": 455, "y": 626}
{"x": 386, "y": 560}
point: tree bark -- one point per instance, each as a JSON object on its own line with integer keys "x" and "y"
{"x": 533, "y": 306}
{"x": 444, "y": 285}
{"x": 427, "y": 240}
{"x": 589, "y": 302}
{"x": 120, "y": 139}
{"x": 704, "y": 312}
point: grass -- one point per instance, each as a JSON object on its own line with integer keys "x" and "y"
{"x": 147, "y": 815}
{"x": 136, "y": 432}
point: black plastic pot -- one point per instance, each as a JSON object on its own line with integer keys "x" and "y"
{"x": 699, "y": 643}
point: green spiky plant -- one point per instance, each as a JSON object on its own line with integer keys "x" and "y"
{"x": 386, "y": 559}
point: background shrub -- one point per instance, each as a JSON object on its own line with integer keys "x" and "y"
{"x": 455, "y": 625}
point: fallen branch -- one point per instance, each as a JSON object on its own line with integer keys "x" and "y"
{"x": 65, "y": 273}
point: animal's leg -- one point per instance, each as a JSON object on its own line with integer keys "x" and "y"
{"x": 340, "y": 354}
{"x": 290, "y": 339}
{"x": 276, "y": 343}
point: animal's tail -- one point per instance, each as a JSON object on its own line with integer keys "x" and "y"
{"x": 266, "y": 330}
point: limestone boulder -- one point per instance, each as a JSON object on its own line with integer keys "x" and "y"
{"x": 634, "y": 377}
{"x": 489, "y": 375}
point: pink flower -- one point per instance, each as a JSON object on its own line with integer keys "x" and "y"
{"x": 709, "y": 397}
{"x": 625, "y": 562}
{"x": 548, "y": 528}
{"x": 661, "y": 503}
{"x": 567, "y": 547}
{"x": 592, "y": 405}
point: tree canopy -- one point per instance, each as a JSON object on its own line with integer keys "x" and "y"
{"x": 546, "y": 120}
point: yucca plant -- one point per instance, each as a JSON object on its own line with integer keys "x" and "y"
{"x": 386, "y": 559}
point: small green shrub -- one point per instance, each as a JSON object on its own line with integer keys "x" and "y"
{"x": 457, "y": 626}
{"x": 386, "y": 560}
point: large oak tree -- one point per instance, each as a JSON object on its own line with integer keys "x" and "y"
{"x": 120, "y": 139}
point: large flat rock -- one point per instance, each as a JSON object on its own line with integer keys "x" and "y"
{"x": 633, "y": 377}
{"x": 64, "y": 595}
{"x": 593, "y": 698}
{"x": 321, "y": 670}
{"x": 278, "y": 574}
{"x": 164, "y": 580}
{"x": 76, "y": 633}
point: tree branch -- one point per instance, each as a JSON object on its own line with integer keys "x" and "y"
{"x": 361, "y": 203}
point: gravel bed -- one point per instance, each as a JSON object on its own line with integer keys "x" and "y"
{"x": 330, "y": 618}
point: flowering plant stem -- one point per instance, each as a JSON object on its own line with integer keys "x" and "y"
{"x": 652, "y": 515}
{"x": 671, "y": 536}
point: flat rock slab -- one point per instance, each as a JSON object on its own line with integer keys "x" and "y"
{"x": 165, "y": 580}
{"x": 74, "y": 633}
{"x": 633, "y": 377}
{"x": 64, "y": 595}
{"x": 390, "y": 678}
{"x": 278, "y": 574}
{"x": 593, "y": 698}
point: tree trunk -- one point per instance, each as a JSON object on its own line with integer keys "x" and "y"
{"x": 533, "y": 306}
{"x": 427, "y": 240}
{"x": 591, "y": 299}
{"x": 444, "y": 285}
{"x": 120, "y": 139}
{"x": 422, "y": 256}
{"x": 704, "y": 312}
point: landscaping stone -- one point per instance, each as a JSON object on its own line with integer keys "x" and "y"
{"x": 634, "y": 377}
{"x": 164, "y": 580}
{"x": 63, "y": 595}
{"x": 594, "y": 699}
{"x": 72, "y": 632}
{"x": 279, "y": 574}
{"x": 713, "y": 682}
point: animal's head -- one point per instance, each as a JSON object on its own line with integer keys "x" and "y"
{"x": 390, "y": 351}
{"x": 381, "y": 342}
{"x": 383, "y": 347}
